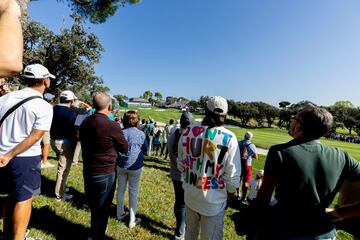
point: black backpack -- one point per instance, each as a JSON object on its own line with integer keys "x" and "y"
{"x": 244, "y": 154}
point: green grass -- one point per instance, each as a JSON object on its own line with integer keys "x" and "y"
{"x": 71, "y": 220}
{"x": 160, "y": 115}
{"x": 265, "y": 137}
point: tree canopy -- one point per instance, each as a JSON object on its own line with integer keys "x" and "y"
{"x": 344, "y": 104}
{"x": 69, "y": 55}
{"x": 147, "y": 94}
{"x": 96, "y": 11}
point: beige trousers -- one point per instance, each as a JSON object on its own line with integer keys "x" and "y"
{"x": 64, "y": 153}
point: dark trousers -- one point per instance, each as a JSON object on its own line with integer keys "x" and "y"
{"x": 164, "y": 145}
{"x": 99, "y": 192}
{"x": 179, "y": 208}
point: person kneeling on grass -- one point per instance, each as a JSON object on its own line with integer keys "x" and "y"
{"x": 129, "y": 167}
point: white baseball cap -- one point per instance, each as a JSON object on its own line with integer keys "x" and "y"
{"x": 217, "y": 105}
{"x": 68, "y": 95}
{"x": 37, "y": 71}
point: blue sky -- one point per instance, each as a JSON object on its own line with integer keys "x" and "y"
{"x": 243, "y": 50}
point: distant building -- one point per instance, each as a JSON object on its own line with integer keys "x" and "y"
{"x": 183, "y": 105}
{"x": 138, "y": 102}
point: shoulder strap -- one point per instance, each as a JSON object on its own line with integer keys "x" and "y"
{"x": 13, "y": 108}
{"x": 247, "y": 148}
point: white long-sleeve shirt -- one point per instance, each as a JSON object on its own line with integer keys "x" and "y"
{"x": 209, "y": 159}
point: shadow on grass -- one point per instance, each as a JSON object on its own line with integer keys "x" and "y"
{"x": 157, "y": 167}
{"x": 153, "y": 162}
{"x": 46, "y": 220}
{"x": 48, "y": 188}
{"x": 151, "y": 225}
{"x": 156, "y": 227}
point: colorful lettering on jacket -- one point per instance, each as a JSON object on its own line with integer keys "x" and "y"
{"x": 204, "y": 151}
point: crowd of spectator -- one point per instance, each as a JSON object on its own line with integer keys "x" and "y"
{"x": 343, "y": 138}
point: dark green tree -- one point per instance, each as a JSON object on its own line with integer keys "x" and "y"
{"x": 194, "y": 105}
{"x": 344, "y": 116}
{"x": 344, "y": 104}
{"x": 121, "y": 98}
{"x": 357, "y": 125}
{"x": 285, "y": 114}
{"x": 245, "y": 111}
{"x": 158, "y": 96}
{"x": 231, "y": 107}
{"x": 260, "y": 113}
{"x": 350, "y": 118}
{"x": 182, "y": 99}
{"x": 170, "y": 100}
{"x": 203, "y": 100}
{"x": 147, "y": 95}
{"x": 265, "y": 112}
{"x": 96, "y": 11}
{"x": 338, "y": 113}
{"x": 69, "y": 55}
{"x": 284, "y": 104}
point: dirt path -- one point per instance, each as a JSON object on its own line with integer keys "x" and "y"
{"x": 262, "y": 151}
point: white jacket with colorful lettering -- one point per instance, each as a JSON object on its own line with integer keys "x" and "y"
{"x": 209, "y": 159}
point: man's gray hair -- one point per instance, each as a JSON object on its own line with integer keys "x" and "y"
{"x": 248, "y": 135}
{"x": 101, "y": 101}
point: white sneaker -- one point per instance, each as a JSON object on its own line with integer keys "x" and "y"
{"x": 136, "y": 222}
{"x": 180, "y": 238}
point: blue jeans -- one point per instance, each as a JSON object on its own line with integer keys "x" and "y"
{"x": 99, "y": 192}
{"x": 179, "y": 208}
